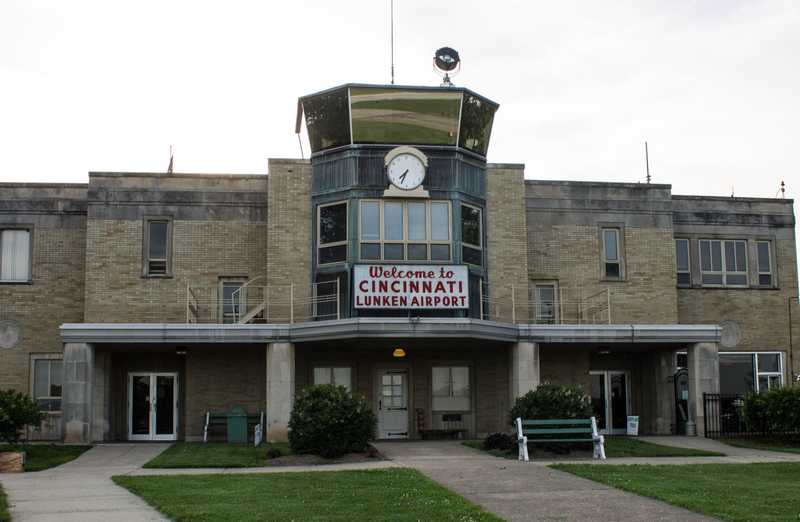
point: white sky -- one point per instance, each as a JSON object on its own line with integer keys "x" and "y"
{"x": 713, "y": 86}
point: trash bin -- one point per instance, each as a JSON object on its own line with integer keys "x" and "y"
{"x": 237, "y": 425}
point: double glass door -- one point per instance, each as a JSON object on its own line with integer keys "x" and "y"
{"x": 611, "y": 401}
{"x": 152, "y": 406}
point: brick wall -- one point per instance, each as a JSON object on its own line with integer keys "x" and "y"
{"x": 55, "y": 294}
{"x": 564, "y": 221}
{"x": 506, "y": 233}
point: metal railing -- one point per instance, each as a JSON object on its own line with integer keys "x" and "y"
{"x": 274, "y": 304}
{"x": 723, "y": 418}
{"x": 520, "y": 305}
{"x": 253, "y": 303}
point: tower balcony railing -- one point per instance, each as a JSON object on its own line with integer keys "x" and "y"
{"x": 251, "y": 303}
{"x": 255, "y": 304}
{"x": 560, "y": 305}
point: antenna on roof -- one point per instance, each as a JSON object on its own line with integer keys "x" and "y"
{"x": 783, "y": 190}
{"x": 169, "y": 168}
{"x": 391, "y": 18}
{"x": 647, "y": 161}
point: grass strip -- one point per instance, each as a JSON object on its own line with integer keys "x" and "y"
{"x": 735, "y": 492}
{"x": 396, "y": 494}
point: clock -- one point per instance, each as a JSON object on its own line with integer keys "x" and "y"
{"x": 405, "y": 167}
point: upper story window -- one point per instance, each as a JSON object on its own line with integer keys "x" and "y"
{"x": 612, "y": 253}
{"x": 157, "y": 247}
{"x": 723, "y": 262}
{"x": 682, "y": 262}
{"x": 332, "y": 233}
{"x": 764, "y": 253}
{"x": 15, "y": 255}
{"x": 471, "y": 235}
{"x": 396, "y": 230}
{"x": 545, "y": 302}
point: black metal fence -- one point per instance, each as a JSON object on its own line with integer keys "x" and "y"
{"x": 724, "y": 418}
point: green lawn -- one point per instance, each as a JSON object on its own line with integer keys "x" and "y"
{"x": 45, "y": 456}
{"x": 617, "y": 447}
{"x": 5, "y": 516}
{"x": 736, "y": 492}
{"x": 766, "y": 444}
{"x": 214, "y": 455}
{"x": 387, "y": 494}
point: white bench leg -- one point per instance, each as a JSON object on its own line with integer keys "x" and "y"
{"x": 523, "y": 449}
{"x": 599, "y": 448}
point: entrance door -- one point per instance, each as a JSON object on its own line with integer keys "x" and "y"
{"x": 152, "y": 406}
{"x": 610, "y": 399}
{"x": 392, "y": 395}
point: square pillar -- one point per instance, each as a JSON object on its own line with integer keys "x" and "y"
{"x": 77, "y": 392}
{"x": 703, "y": 361}
{"x": 664, "y": 396}
{"x": 101, "y": 396}
{"x": 524, "y": 369}
{"x": 280, "y": 390}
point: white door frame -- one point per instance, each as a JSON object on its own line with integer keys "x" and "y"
{"x": 379, "y": 373}
{"x": 607, "y": 390}
{"x": 153, "y": 376}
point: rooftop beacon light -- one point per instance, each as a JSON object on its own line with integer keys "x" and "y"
{"x": 447, "y": 62}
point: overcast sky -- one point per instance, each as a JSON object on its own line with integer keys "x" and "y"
{"x": 713, "y": 86}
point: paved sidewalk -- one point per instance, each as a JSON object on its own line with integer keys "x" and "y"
{"x": 82, "y": 490}
{"x": 518, "y": 491}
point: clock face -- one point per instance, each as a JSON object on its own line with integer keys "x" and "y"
{"x": 406, "y": 171}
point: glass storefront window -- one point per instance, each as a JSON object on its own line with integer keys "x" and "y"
{"x": 451, "y": 391}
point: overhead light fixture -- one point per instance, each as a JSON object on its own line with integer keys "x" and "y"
{"x": 399, "y": 353}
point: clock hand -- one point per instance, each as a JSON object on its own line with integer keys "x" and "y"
{"x": 403, "y": 176}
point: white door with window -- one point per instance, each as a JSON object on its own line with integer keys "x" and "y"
{"x": 392, "y": 393}
{"x": 152, "y": 406}
{"x": 611, "y": 400}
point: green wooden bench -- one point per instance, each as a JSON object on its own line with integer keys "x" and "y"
{"x": 559, "y": 430}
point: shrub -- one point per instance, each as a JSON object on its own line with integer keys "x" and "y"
{"x": 775, "y": 411}
{"x": 499, "y": 441}
{"x": 17, "y": 410}
{"x": 274, "y": 453}
{"x": 329, "y": 421}
{"x": 550, "y": 401}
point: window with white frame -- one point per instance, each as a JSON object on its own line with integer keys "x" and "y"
{"x": 451, "y": 388}
{"x": 398, "y": 230}
{"x": 682, "y": 263}
{"x": 15, "y": 255}
{"x": 157, "y": 244}
{"x": 471, "y": 235}
{"x": 741, "y": 373}
{"x": 544, "y": 298}
{"x": 336, "y": 375}
{"x": 48, "y": 374}
{"x": 233, "y": 301}
{"x": 612, "y": 253}
{"x": 764, "y": 254}
{"x": 332, "y": 233}
{"x": 723, "y": 262}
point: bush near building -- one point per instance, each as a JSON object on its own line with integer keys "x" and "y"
{"x": 774, "y": 412}
{"x": 550, "y": 401}
{"x": 17, "y": 410}
{"x": 330, "y": 421}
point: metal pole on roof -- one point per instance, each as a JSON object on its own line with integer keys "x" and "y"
{"x": 647, "y": 161}
{"x": 391, "y": 17}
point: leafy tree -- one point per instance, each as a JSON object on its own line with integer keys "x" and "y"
{"x": 17, "y": 410}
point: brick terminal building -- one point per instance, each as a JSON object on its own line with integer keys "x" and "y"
{"x": 396, "y": 262}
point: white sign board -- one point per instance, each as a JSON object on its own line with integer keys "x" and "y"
{"x": 411, "y": 286}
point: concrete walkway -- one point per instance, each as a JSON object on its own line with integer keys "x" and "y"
{"x": 518, "y": 491}
{"x": 82, "y": 490}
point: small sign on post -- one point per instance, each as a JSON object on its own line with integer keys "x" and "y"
{"x": 633, "y": 425}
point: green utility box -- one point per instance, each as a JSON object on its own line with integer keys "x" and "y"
{"x": 237, "y": 425}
